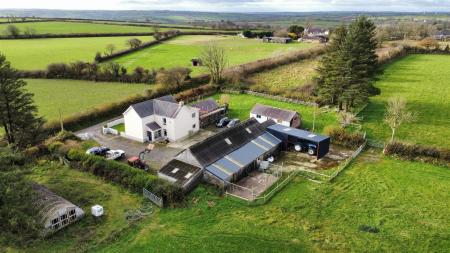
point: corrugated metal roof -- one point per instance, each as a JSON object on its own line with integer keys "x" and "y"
{"x": 297, "y": 133}
{"x": 273, "y": 112}
{"x": 180, "y": 171}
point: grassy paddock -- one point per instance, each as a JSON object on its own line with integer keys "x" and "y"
{"x": 38, "y": 53}
{"x": 85, "y": 191}
{"x": 77, "y": 96}
{"x": 242, "y": 104}
{"x": 406, "y": 202}
{"x": 180, "y": 51}
{"x": 424, "y": 81}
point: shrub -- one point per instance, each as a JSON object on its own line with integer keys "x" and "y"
{"x": 340, "y": 136}
{"x": 418, "y": 152}
{"x": 129, "y": 177}
{"x": 369, "y": 229}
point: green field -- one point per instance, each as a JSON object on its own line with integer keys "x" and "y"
{"x": 35, "y": 54}
{"x": 56, "y": 27}
{"x": 77, "y": 96}
{"x": 180, "y": 51}
{"x": 424, "y": 81}
{"x": 287, "y": 76}
{"x": 241, "y": 105}
{"x": 406, "y": 202}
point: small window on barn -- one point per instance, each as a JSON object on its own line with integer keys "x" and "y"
{"x": 188, "y": 175}
{"x": 175, "y": 170}
{"x": 258, "y": 116}
{"x": 72, "y": 212}
{"x": 56, "y": 226}
{"x": 193, "y": 115}
{"x": 228, "y": 141}
{"x": 312, "y": 135}
{"x": 54, "y": 221}
{"x": 64, "y": 216}
{"x": 164, "y": 121}
{"x": 248, "y": 130}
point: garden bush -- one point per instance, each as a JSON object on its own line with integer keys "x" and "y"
{"x": 416, "y": 152}
{"x": 128, "y": 177}
{"x": 340, "y": 136}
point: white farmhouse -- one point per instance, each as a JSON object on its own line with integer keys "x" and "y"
{"x": 287, "y": 118}
{"x": 159, "y": 119}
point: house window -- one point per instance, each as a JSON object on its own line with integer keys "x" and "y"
{"x": 164, "y": 121}
{"x": 258, "y": 116}
{"x": 193, "y": 115}
{"x": 165, "y": 132}
{"x": 193, "y": 126}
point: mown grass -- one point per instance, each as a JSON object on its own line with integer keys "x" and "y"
{"x": 85, "y": 191}
{"x": 179, "y": 52}
{"x": 288, "y": 76}
{"x": 406, "y": 202}
{"x": 32, "y": 54}
{"x": 241, "y": 105}
{"x": 424, "y": 81}
{"x": 73, "y": 97}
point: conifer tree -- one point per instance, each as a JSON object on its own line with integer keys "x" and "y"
{"x": 18, "y": 114}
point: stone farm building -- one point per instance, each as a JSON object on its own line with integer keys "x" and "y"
{"x": 284, "y": 117}
{"x": 160, "y": 119}
{"x": 210, "y": 112}
{"x": 54, "y": 212}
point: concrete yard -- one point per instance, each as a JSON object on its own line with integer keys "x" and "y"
{"x": 252, "y": 186}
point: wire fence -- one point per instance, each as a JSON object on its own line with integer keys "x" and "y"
{"x": 265, "y": 95}
{"x": 347, "y": 162}
{"x": 152, "y": 197}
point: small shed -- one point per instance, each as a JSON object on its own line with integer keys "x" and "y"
{"x": 210, "y": 112}
{"x": 54, "y": 211}
{"x": 292, "y": 136}
{"x": 264, "y": 113}
{"x": 185, "y": 175}
{"x": 196, "y": 62}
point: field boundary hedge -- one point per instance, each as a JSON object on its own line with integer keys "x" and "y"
{"x": 266, "y": 95}
{"x": 416, "y": 152}
{"x": 124, "y": 175}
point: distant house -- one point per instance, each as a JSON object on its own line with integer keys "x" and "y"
{"x": 282, "y": 40}
{"x": 159, "y": 119}
{"x": 314, "y": 39}
{"x": 442, "y": 35}
{"x": 210, "y": 111}
{"x": 263, "y": 113}
{"x": 54, "y": 212}
{"x": 312, "y": 32}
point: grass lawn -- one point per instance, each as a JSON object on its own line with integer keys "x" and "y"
{"x": 34, "y": 54}
{"x": 287, "y": 76}
{"x": 179, "y": 52}
{"x": 77, "y": 96}
{"x": 406, "y": 202}
{"x": 120, "y": 127}
{"x": 424, "y": 81}
{"x": 83, "y": 190}
{"x": 242, "y": 104}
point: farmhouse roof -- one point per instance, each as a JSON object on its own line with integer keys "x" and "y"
{"x": 227, "y": 141}
{"x": 273, "y": 112}
{"x": 206, "y": 106}
{"x": 165, "y": 106}
{"x": 316, "y": 30}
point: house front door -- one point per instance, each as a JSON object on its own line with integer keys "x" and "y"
{"x": 149, "y": 134}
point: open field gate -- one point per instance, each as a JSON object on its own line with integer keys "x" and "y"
{"x": 152, "y": 197}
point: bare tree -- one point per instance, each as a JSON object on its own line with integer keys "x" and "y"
{"x": 216, "y": 60}
{"x": 172, "y": 78}
{"x": 110, "y": 48}
{"x": 397, "y": 114}
{"x": 348, "y": 118}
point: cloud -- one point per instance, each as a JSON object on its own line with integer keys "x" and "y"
{"x": 239, "y": 5}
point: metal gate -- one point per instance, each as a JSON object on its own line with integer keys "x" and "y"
{"x": 152, "y": 197}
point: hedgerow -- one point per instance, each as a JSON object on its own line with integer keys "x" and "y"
{"x": 416, "y": 152}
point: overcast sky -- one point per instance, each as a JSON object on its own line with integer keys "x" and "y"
{"x": 236, "y": 5}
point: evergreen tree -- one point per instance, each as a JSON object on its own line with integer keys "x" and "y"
{"x": 18, "y": 114}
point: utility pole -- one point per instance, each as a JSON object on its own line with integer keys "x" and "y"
{"x": 314, "y": 119}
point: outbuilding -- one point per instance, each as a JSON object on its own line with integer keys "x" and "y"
{"x": 54, "y": 212}
{"x": 210, "y": 112}
{"x": 315, "y": 144}
{"x": 182, "y": 174}
{"x": 284, "y": 117}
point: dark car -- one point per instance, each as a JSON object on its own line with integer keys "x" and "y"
{"x": 100, "y": 151}
{"x": 223, "y": 122}
{"x": 233, "y": 123}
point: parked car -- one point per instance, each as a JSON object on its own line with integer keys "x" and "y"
{"x": 223, "y": 122}
{"x": 100, "y": 151}
{"x": 115, "y": 154}
{"x": 233, "y": 123}
{"x": 311, "y": 149}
